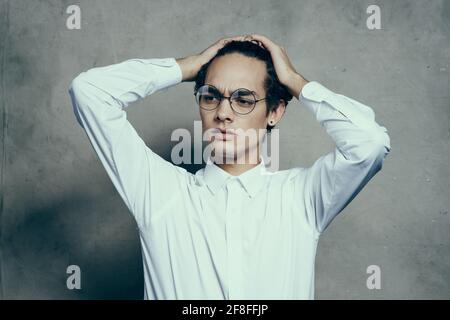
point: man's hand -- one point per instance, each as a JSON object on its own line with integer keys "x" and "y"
{"x": 286, "y": 72}
{"x": 191, "y": 65}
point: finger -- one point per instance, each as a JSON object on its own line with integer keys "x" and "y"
{"x": 224, "y": 41}
{"x": 248, "y": 37}
{"x": 259, "y": 44}
{"x": 269, "y": 44}
{"x": 240, "y": 37}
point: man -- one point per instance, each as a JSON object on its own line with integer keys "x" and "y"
{"x": 231, "y": 230}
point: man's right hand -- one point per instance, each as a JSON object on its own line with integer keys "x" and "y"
{"x": 191, "y": 65}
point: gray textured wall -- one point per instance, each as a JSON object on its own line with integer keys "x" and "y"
{"x": 59, "y": 207}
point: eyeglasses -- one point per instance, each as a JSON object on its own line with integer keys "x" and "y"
{"x": 242, "y": 100}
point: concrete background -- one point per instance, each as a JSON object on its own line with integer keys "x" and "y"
{"x": 59, "y": 208}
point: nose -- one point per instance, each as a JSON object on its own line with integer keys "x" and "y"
{"x": 224, "y": 112}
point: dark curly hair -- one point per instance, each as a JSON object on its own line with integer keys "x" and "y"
{"x": 275, "y": 91}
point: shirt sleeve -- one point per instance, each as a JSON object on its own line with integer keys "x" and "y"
{"x": 100, "y": 96}
{"x": 334, "y": 179}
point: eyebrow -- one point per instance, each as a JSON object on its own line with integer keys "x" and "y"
{"x": 234, "y": 89}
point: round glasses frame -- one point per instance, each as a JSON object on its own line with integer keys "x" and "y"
{"x": 221, "y": 96}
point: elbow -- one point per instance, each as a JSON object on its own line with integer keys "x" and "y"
{"x": 78, "y": 83}
{"x": 77, "y": 91}
{"x": 382, "y": 143}
{"x": 372, "y": 148}
{"x": 376, "y": 149}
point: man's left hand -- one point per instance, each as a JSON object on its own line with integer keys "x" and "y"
{"x": 286, "y": 72}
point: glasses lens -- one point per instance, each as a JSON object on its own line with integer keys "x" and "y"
{"x": 243, "y": 101}
{"x": 207, "y": 97}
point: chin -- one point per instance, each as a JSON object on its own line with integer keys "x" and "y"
{"x": 224, "y": 157}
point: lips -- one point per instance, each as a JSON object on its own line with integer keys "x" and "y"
{"x": 226, "y": 131}
{"x": 224, "y": 134}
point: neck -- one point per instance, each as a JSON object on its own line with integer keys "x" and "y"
{"x": 238, "y": 166}
{"x": 237, "y": 169}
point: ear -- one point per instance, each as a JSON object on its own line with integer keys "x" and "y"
{"x": 275, "y": 115}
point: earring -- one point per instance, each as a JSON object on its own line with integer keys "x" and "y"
{"x": 271, "y": 122}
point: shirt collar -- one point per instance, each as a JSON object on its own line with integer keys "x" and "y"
{"x": 252, "y": 180}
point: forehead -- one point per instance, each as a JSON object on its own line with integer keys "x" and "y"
{"x": 233, "y": 71}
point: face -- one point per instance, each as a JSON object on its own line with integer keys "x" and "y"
{"x": 228, "y": 73}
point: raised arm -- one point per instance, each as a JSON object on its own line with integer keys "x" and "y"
{"x": 99, "y": 98}
{"x": 361, "y": 144}
{"x": 361, "y": 147}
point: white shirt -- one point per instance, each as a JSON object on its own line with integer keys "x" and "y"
{"x": 211, "y": 235}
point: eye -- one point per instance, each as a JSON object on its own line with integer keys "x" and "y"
{"x": 210, "y": 98}
{"x": 245, "y": 102}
